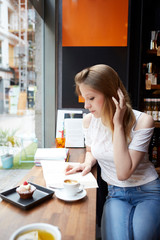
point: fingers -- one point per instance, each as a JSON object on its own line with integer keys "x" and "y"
{"x": 81, "y": 167}
{"x": 115, "y": 101}
{"x": 86, "y": 170}
{"x": 72, "y": 169}
{"x": 70, "y": 172}
{"x": 121, "y": 102}
{"x": 68, "y": 169}
{"x": 121, "y": 98}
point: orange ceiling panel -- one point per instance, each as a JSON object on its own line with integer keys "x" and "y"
{"x": 94, "y": 22}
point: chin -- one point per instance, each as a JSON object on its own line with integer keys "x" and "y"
{"x": 96, "y": 115}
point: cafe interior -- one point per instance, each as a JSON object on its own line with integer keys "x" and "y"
{"x": 78, "y": 34}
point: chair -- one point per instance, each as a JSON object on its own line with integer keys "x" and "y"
{"x": 102, "y": 192}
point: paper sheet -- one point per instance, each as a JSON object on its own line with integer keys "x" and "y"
{"x": 74, "y": 132}
{"x": 71, "y": 126}
{"x": 60, "y": 118}
{"x": 54, "y": 175}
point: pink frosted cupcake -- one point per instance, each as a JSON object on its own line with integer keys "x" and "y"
{"x": 26, "y": 190}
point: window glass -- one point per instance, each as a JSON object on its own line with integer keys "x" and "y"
{"x": 0, "y": 14}
{"x": 21, "y": 50}
{"x": 0, "y": 52}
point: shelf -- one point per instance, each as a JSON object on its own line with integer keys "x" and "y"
{"x": 152, "y": 52}
{"x": 157, "y": 124}
{"x": 155, "y": 86}
{"x": 158, "y": 170}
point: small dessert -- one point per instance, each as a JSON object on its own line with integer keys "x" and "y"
{"x": 26, "y": 190}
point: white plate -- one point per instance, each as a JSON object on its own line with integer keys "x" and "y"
{"x": 62, "y": 195}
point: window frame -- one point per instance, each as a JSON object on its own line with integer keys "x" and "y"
{"x": 47, "y": 11}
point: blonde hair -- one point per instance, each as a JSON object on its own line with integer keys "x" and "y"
{"x": 105, "y": 79}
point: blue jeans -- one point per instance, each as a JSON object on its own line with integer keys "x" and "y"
{"x": 132, "y": 213}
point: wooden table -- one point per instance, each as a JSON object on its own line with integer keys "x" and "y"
{"x": 76, "y": 220}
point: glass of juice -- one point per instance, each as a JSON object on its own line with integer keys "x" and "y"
{"x": 60, "y": 142}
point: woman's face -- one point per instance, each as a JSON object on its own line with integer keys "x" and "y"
{"x": 94, "y": 99}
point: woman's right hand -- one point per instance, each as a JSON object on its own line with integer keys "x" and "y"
{"x": 84, "y": 167}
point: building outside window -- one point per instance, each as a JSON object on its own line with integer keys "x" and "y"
{"x": 0, "y": 14}
{"x": 21, "y": 67}
{"x": 0, "y": 52}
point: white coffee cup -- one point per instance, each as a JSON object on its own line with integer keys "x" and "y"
{"x": 38, "y": 226}
{"x": 71, "y": 187}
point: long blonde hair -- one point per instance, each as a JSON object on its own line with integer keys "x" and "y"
{"x": 105, "y": 79}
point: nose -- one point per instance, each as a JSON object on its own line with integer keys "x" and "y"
{"x": 87, "y": 105}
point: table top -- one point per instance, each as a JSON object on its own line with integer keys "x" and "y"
{"x": 76, "y": 220}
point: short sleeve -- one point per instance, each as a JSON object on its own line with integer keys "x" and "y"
{"x": 87, "y": 136}
{"x": 141, "y": 139}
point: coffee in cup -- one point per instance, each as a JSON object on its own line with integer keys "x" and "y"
{"x": 71, "y": 187}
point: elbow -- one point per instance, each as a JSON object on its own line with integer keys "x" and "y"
{"x": 124, "y": 174}
{"x": 122, "y": 177}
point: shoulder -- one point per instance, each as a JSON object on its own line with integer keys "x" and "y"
{"x": 86, "y": 120}
{"x": 144, "y": 121}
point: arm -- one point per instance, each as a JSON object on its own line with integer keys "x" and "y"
{"x": 85, "y": 167}
{"x": 126, "y": 161}
{"x": 89, "y": 161}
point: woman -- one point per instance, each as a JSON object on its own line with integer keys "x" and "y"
{"x": 118, "y": 138}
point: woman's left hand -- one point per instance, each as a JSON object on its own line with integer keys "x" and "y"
{"x": 120, "y": 108}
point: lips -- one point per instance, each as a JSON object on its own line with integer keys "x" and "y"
{"x": 92, "y": 112}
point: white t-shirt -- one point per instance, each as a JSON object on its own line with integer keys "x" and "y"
{"x": 99, "y": 138}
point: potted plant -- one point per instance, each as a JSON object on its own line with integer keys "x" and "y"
{"x": 8, "y": 140}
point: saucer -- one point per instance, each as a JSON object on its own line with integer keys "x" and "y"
{"x": 60, "y": 193}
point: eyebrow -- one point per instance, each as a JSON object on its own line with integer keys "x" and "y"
{"x": 90, "y": 94}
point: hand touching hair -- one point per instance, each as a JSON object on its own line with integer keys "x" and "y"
{"x": 105, "y": 79}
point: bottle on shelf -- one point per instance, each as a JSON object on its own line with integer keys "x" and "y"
{"x": 153, "y": 40}
{"x": 154, "y": 109}
{"x": 158, "y": 38}
{"x": 158, "y": 75}
{"x": 158, "y": 43}
{"x": 148, "y": 81}
{"x": 158, "y": 103}
{"x": 154, "y": 82}
{"x": 153, "y": 150}
{"x": 158, "y": 161}
{"x": 154, "y": 74}
{"x": 147, "y": 106}
{"x": 150, "y": 78}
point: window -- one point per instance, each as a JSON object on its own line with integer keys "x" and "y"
{"x": 22, "y": 68}
{"x": 0, "y": 13}
{"x": 0, "y": 52}
{"x": 28, "y": 53}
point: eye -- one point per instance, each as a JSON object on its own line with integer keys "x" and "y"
{"x": 92, "y": 98}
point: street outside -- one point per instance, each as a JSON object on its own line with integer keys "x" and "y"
{"x": 25, "y": 125}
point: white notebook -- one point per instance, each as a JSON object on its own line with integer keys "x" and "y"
{"x": 59, "y": 154}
